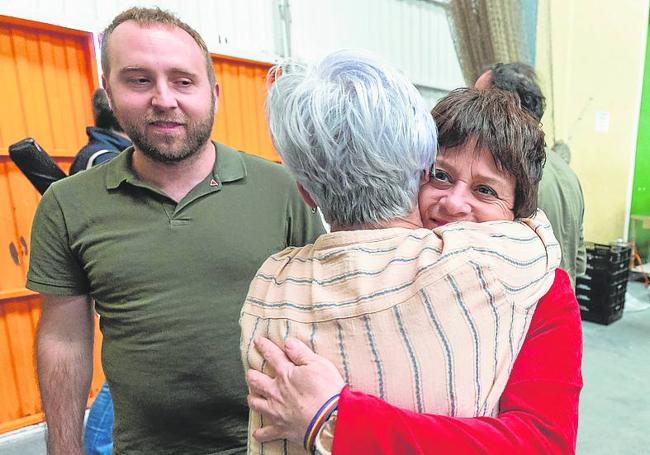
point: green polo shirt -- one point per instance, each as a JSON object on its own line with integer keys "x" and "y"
{"x": 168, "y": 280}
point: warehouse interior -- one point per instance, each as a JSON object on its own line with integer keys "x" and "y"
{"x": 592, "y": 63}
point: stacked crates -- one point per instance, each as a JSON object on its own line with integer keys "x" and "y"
{"x": 601, "y": 291}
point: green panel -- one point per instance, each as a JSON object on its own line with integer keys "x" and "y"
{"x": 641, "y": 183}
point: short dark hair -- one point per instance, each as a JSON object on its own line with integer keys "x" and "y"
{"x": 521, "y": 79}
{"x": 150, "y": 16}
{"x": 496, "y": 121}
{"x": 104, "y": 117}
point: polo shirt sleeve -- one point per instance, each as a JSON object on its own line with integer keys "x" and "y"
{"x": 53, "y": 268}
{"x": 303, "y": 225}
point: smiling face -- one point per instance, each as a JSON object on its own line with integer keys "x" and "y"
{"x": 160, "y": 91}
{"x": 466, "y": 185}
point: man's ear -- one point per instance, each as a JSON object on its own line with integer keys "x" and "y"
{"x": 306, "y": 196}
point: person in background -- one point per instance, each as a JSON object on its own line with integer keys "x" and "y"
{"x": 98, "y": 431}
{"x": 378, "y": 297}
{"x": 165, "y": 238}
{"x": 538, "y": 409}
{"x": 105, "y": 140}
{"x": 560, "y": 194}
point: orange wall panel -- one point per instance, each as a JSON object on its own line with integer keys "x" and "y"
{"x": 20, "y": 331}
{"x": 46, "y": 84}
{"x": 12, "y": 124}
{"x": 11, "y": 405}
{"x": 241, "y": 120}
{"x": 12, "y": 276}
{"x": 25, "y": 199}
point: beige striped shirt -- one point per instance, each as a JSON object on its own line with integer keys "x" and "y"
{"x": 429, "y": 321}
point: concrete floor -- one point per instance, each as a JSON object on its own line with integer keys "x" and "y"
{"x": 615, "y": 402}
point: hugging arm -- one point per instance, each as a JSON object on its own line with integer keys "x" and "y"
{"x": 538, "y": 408}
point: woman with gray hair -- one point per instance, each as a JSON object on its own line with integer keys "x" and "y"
{"x": 357, "y": 137}
{"x": 413, "y": 316}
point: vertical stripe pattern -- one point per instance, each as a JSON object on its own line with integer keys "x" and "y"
{"x": 430, "y": 321}
{"x": 375, "y": 356}
{"x": 475, "y": 340}
{"x": 490, "y": 300}
{"x": 417, "y": 378}
{"x": 449, "y": 359}
{"x": 344, "y": 359}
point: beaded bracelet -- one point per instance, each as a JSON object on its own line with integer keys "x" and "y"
{"x": 318, "y": 420}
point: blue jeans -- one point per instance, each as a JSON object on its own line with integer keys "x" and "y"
{"x": 98, "y": 438}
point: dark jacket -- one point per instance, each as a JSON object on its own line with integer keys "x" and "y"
{"x": 102, "y": 145}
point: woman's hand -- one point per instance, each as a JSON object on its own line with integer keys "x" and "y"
{"x": 303, "y": 382}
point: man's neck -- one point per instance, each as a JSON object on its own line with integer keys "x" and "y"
{"x": 410, "y": 221}
{"x": 175, "y": 179}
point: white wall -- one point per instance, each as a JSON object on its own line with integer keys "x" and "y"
{"x": 591, "y": 63}
{"x": 240, "y": 28}
{"x": 412, "y": 35}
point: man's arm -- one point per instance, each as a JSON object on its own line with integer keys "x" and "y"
{"x": 64, "y": 349}
{"x": 538, "y": 408}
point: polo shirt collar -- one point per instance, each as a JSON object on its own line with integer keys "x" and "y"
{"x": 228, "y": 167}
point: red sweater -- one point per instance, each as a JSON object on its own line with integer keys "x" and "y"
{"x": 538, "y": 408}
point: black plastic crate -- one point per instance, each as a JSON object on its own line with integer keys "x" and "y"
{"x": 607, "y": 257}
{"x": 606, "y": 266}
{"x": 602, "y": 283}
{"x": 601, "y": 300}
{"x": 601, "y": 291}
{"x": 602, "y": 315}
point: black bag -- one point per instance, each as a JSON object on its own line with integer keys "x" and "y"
{"x": 35, "y": 163}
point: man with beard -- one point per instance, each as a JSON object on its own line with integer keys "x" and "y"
{"x": 165, "y": 239}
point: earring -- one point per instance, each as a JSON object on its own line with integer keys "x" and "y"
{"x": 313, "y": 209}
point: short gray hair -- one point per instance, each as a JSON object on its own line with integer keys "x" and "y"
{"x": 355, "y": 133}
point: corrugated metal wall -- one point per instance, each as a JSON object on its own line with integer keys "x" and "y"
{"x": 411, "y": 34}
{"x": 241, "y": 28}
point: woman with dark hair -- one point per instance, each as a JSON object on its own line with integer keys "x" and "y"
{"x": 489, "y": 164}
